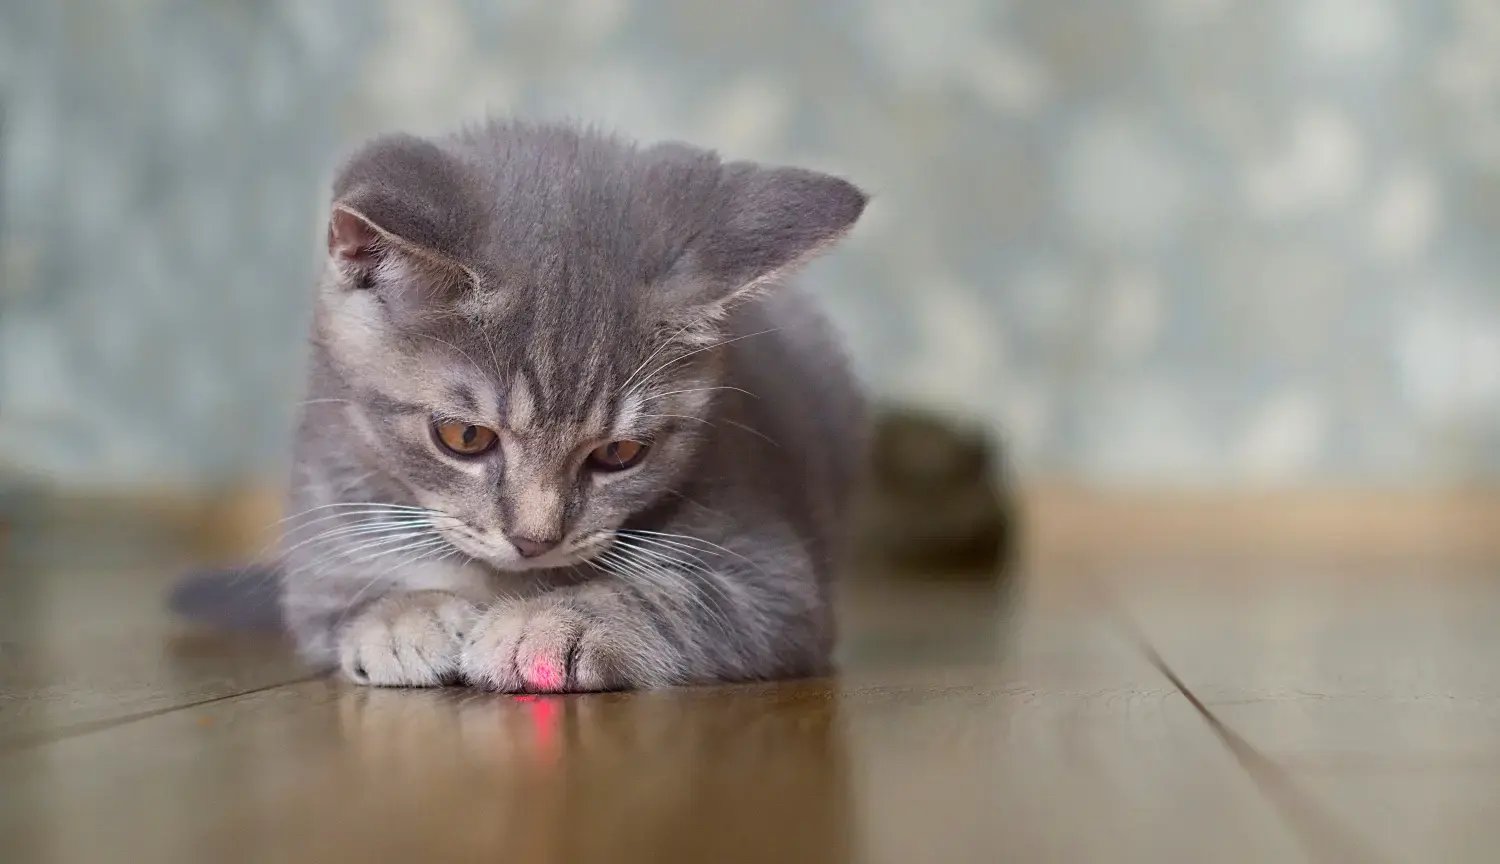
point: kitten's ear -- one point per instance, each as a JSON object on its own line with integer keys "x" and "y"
{"x": 401, "y": 213}
{"x": 355, "y": 243}
{"x": 766, "y": 223}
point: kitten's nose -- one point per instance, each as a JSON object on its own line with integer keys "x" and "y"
{"x": 528, "y": 547}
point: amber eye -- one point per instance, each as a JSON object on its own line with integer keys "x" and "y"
{"x": 463, "y": 439}
{"x": 617, "y": 455}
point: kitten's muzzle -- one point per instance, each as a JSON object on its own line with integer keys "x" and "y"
{"x": 530, "y": 547}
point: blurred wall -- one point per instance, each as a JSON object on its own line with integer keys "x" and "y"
{"x": 1189, "y": 242}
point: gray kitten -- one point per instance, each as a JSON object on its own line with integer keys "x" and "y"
{"x": 566, "y": 429}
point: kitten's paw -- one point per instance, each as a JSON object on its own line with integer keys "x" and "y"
{"x": 567, "y": 642}
{"x": 407, "y": 640}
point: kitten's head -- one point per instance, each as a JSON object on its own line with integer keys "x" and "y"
{"x": 527, "y": 318}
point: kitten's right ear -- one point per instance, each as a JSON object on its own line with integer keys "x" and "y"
{"x": 401, "y": 204}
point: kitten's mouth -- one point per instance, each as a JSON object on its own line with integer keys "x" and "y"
{"x": 506, "y": 557}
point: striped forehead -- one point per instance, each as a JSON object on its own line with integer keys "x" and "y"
{"x": 561, "y": 361}
{"x": 579, "y": 398}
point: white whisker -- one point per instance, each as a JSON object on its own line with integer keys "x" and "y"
{"x": 684, "y": 538}
{"x": 679, "y": 417}
{"x": 655, "y": 396}
{"x": 402, "y": 517}
{"x": 756, "y": 432}
{"x": 663, "y": 584}
{"x": 372, "y": 506}
{"x": 490, "y": 343}
{"x": 676, "y": 360}
{"x": 455, "y": 348}
{"x": 288, "y": 533}
{"x": 359, "y": 530}
{"x": 662, "y": 544}
{"x": 625, "y": 388}
{"x": 343, "y": 510}
{"x": 336, "y": 558}
{"x": 667, "y": 579}
{"x": 709, "y": 577}
{"x": 417, "y": 553}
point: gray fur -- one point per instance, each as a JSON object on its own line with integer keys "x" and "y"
{"x": 568, "y": 289}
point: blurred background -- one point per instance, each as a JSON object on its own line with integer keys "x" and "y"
{"x": 1203, "y": 245}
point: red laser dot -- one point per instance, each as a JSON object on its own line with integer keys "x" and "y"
{"x": 545, "y": 676}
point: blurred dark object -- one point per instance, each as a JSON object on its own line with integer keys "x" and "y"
{"x": 241, "y": 598}
{"x": 214, "y": 527}
{"x": 7, "y": 521}
{"x": 13, "y": 499}
{"x": 938, "y": 500}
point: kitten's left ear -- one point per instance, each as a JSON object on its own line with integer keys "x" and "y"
{"x": 766, "y": 223}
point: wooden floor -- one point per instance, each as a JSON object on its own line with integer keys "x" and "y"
{"x": 1195, "y": 712}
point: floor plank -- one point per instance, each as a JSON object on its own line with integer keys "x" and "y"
{"x": 1373, "y": 694}
{"x": 1312, "y": 661}
{"x": 82, "y": 647}
{"x": 968, "y": 727}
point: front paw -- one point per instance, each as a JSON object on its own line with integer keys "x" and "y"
{"x": 567, "y": 643}
{"x": 407, "y": 640}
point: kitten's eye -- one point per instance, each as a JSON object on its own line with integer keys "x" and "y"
{"x": 463, "y": 439}
{"x": 617, "y": 455}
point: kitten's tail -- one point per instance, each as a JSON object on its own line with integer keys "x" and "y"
{"x": 247, "y": 598}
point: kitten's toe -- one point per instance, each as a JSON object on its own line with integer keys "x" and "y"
{"x": 546, "y": 648}
{"x": 488, "y": 657}
{"x": 563, "y": 644}
{"x": 524, "y": 648}
{"x": 615, "y": 657}
{"x": 407, "y": 640}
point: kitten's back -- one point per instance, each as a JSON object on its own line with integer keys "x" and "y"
{"x": 801, "y": 436}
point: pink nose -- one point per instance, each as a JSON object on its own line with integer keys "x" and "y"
{"x": 529, "y": 547}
